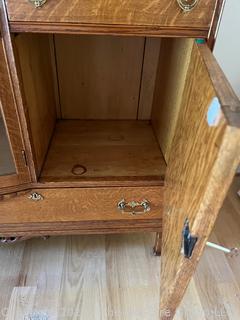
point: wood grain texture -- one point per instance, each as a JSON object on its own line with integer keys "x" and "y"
{"x": 132, "y": 294}
{"x": 191, "y": 306}
{"x": 153, "y": 15}
{"x": 149, "y": 71}
{"x": 227, "y": 233}
{"x": 210, "y": 278}
{"x": 68, "y": 271}
{"x": 21, "y": 303}
{"x": 10, "y": 263}
{"x": 226, "y": 95}
{"x": 134, "y": 181}
{"x": 85, "y": 288}
{"x": 86, "y": 210}
{"x": 234, "y": 195}
{"x": 104, "y": 149}
{"x": 35, "y": 64}
{"x": 209, "y": 158}
{"x": 10, "y": 115}
{"x": 99, "y": 77}
{"x": 14, "y": 86}
{"x": 47, "y": 277}
{"x": 215, "y": 23}
{"x": 82, "y": 277}
{"x": 171, "y": 75}
{"x": 113, "y": 30}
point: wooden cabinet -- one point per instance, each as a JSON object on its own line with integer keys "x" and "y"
{"x": 110, "y": 134}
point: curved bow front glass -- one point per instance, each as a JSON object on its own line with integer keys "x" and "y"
{"x": 7, "y": 166}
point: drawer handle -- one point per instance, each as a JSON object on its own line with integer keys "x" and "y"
{"x": 134, "y": 207}
{"x": 38, "y": 3}
{"x": 187, "y": 5}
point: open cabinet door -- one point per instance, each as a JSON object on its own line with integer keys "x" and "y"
{"x": 204, "y": 155}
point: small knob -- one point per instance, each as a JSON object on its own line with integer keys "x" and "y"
{"x": 38, "y": 3}
{"x": 35, "y": 196}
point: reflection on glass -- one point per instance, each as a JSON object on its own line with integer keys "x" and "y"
{"x": 6, "y": 159}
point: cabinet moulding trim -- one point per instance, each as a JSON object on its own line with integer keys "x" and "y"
{"x": 134, "y": 30}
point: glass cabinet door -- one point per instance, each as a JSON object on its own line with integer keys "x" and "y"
{"x": 14, "y": 170}
{"x": 7, "y": 166}
{"x": 13, "y": 167}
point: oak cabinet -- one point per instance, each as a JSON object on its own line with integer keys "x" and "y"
{"x": 106, "y": 129}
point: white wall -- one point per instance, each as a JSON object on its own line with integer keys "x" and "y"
{"x": 227, "y": 48}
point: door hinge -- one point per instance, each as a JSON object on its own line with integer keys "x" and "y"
{"x": 24, "y": 158}
{"x": 188, "y": 240}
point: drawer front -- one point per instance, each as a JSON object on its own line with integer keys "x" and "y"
{"x": 139, "y": 16}
{"x": 86, "y": 208}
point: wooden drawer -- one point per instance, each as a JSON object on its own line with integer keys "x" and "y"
{"x": 160, "y": 17}
{"x": 86, "y": 210}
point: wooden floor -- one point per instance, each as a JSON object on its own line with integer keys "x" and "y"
{"x": 116, "y": 277}
{"x": 105, "y": 149}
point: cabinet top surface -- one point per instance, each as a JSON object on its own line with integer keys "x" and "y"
{"x": 132, "y": 13}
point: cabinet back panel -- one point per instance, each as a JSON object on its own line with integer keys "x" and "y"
{"x": 36, "y": 70}
{"x": 99, "y": 76}
{"x": 171, "y": 75}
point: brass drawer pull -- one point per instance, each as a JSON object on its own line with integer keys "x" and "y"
{"x": 38, "y": 3}
{"x": 187, "y": 5}
{"x": 134, "y": 207}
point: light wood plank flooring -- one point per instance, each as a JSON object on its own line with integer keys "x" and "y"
{"x": 116, "y": 277}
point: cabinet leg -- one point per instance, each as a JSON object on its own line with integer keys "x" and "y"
{"x": 158, "y": 245}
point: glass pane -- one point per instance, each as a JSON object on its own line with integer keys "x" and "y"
{"x": 6, "y": 159}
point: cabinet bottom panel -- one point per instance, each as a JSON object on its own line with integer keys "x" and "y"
{"x": 93, "y": 151}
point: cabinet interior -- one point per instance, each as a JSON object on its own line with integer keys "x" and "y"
{"x": 101, "y": 107}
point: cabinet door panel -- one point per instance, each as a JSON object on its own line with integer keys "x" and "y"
{"x": 204, "y": 155}
{"x": 13, "y": 168}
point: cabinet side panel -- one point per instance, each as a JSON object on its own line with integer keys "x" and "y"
{"x": 99, "y": 77}
{"x": 35, "y": 64}
{"x": 172, "y": 69}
